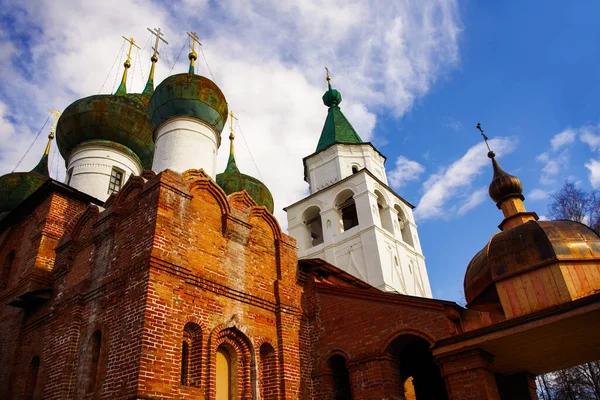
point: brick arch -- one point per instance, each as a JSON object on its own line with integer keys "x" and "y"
{"x": 323, "y": 365}
{"x": 236, "y": 341}
{"x": 241, "y": 200}
{"x": 199, "y": 181}
{"x": 261, "y": 212}
{"x": 388, "y": 339}
{"x": 134, "y": 184}
{"x": 268, "y": 369}
{"x": 90, "y": 214}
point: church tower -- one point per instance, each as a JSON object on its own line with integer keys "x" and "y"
{"x": 352, "y": 218}
{"x": 189, "y": 112}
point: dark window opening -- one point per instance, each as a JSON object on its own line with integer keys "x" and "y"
{"x": 341, "y": 378}
{"x": 116, "y": 180}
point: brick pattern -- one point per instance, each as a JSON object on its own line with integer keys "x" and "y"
{"x": 469, "y": 376}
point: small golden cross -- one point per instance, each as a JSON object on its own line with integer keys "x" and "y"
{"x": 56, "y": 114}
{"x": 158, "y": 33}
{"x": 231, "y": 136}
{"x": 131, "y": 44}
{"x": 194, "y": 39}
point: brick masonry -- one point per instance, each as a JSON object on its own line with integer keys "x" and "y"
{"x": 170, "y": 259}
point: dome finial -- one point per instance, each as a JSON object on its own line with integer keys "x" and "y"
{"x": 122, "y": 89}
{"x": 331, "y": 98}
{"x": 231, "y": 135}
{"x": 193, "y": 56}
{"x": 149, "y": 89}
{"x": 42, "y": 166}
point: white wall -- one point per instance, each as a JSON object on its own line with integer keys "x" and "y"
{"x": 92, "y": 163}
{"x": 183, "y": 143}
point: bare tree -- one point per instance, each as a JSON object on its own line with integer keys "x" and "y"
{"x": 581, "y": 382}
{"x": 573, "y": 203}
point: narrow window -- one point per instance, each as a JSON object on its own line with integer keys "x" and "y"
{"x": 354, "y": 169}
{"x": 116, "y": 180}
{"x": 347, "y": 210}
{"x": 268, "y": 372}
{"x": 312, "y": 220}
{"x": 341, "y": 378}
{"x": 185, "y": 362}
{"x": 6, "y": 269}
{"x": 93, "y": 358}
{"x": 404, "y": 226}
{"x": 223, "y": 378}
{"x": 69, "y": 175}
{"x": 32, "y": 377}
{"x": 191, "y": 355}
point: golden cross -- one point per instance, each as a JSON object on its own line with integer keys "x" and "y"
{"x": 328, "y": 77}
{"x": 231, "y": 136}
{"x": 56, "y": 114}
{"x": 194, "y": 39}
{"x": 158, "y": 34}
{"x": 131, "y": 44}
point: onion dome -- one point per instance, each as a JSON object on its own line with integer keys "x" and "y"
{"x": 503, "y": 184}
{"x": 337, "y": 128}
{"x": 232, "y": 180}
{"x": 17, "y": 186}
{"x": 121, "y": 119}
{"x": 191, "y": 95}
{"x": 523, "y": 248}
{"x": 529, "y": 265}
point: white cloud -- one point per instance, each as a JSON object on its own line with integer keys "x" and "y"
{"x": 455, "y": 125}
{"x": 562, "y": 139}
{"x": 589, "y": 136}
{"x": 266, "y": 55}
{"x": 537, "y": 194}
{"x": 405, "y": 171}
{"x": 594, "y": 167}
{"x": 553, "y": 165}
{"x": 475, "y": 199}
{"x": 450, "y": 183}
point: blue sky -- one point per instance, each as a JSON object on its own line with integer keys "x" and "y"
{"x": 416, "y": 78}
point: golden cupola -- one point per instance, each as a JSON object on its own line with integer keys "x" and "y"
{"x": 530, "y": 265}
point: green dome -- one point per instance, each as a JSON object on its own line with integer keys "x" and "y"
{"x": 121, "y": 119}
{"x": 16, "y": 187}
{"x": 232, "y": 180}
{"x": 191, "y": 95}
{"x": 332, "y": 97}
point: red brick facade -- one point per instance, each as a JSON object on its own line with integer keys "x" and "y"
{"x": 134, "y": 300}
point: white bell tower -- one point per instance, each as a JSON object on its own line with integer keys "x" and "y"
{"x": 352, "y": 218}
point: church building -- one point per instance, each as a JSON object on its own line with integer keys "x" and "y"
{"x": 149, "y": 274}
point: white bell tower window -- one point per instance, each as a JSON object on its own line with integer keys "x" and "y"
{"x": 116, "y": 180}
{"x": 404, "y": 226}
{"x": 346, "y": 207}
{"x": 312, "y": 220}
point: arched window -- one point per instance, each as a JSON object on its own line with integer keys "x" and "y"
{"x": 347, "y": 210}
{"x": 226, "y": 374}
{"x": 32, "y": 377}
{"x": 312, "y": 220}
{"x": 384, "y": 212}
{"x": 91, "y": 362}
{"x": 268, "y": 372}
{"x": 191, "y": 355}
{"x": 341, "y": 378}
{"x": 404, "y": 226}
{"x": 6, "y": 268}
{"x": 355, "y": 169}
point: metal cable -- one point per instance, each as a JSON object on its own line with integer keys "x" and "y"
{"x": 111, "y": 68}
{"x": 207, "y": 66}
{"x": 249, "y": 152}
{"x": 31, "y": 145}
{"x": 181, "y": 51}
{"x": 117, "y": 75}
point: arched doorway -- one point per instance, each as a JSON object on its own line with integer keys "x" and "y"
{"x": 417, "y": 370}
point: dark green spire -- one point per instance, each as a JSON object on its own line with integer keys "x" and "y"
{"x": 337, "y": 128}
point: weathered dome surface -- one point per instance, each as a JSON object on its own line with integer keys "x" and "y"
{"x": 526, "y": 247}
{"x": 503, "y": 184}
{"x": 189, "y": 95}
{"x": 119, "y": 119}
{"x": 232, "y": 180}
{"x": 16, "y": 187}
